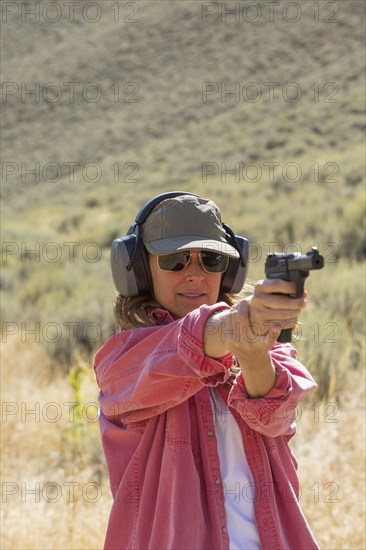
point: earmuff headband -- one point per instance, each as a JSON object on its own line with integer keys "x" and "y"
{"x": 130, "y": 262}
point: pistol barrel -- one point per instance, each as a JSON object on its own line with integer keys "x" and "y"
{"x": 277, "y": 263}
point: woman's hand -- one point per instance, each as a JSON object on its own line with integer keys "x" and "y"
{"x": 251, "y": 327}
{"x": 268, "y": 311}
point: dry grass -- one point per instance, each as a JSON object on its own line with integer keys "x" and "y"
{"x": 330, "y": 448}
{"x": 55, "y": 491}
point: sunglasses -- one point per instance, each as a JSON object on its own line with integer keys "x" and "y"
{"x": 212, "y": 262}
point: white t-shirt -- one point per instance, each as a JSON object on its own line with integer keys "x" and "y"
{"x": 238, "y": 484}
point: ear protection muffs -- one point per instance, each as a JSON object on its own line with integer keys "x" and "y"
{"x": 130, "y": 261}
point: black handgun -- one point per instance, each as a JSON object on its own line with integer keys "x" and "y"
{"x": 292, "y": 267}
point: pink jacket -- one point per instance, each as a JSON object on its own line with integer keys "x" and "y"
{"x": 159, "y": 440}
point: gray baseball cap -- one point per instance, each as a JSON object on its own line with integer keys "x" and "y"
{"x": 183, "y": 223}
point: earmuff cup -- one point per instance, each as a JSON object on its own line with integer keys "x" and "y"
{"x": 234, "y": 277}
{"x": 137, "y": 279}
{"x": 130, "y": 262}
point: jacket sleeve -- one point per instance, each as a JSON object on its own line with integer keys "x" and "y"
{"x": 143, "y": 372}
{"x": 275, "y": 413}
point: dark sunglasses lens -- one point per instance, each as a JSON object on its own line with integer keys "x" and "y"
{"x": 213, "y": 262}
{"x": 174, "y": 262}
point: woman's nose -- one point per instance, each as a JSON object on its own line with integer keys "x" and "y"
{"x": 194, "y": 268}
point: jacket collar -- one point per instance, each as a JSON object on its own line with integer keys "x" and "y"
{"x": 160, "y": 317}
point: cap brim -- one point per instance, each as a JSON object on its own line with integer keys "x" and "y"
{"x": 188, "y": 242}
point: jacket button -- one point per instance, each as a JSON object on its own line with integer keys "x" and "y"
{"x": 210, "y": 433}
{"x": 224, "y": 530}
{"x": 217, "y": 481}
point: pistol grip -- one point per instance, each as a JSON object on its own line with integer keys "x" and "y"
{"x": 300, "y": 283}
{"x": 285, "y": 335}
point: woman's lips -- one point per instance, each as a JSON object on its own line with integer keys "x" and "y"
{"x": 191, "y": 295}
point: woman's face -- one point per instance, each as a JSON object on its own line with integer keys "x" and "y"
{"x": 180, "y": 292}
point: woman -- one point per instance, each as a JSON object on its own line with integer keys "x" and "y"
{"x": 198, "y": 401}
